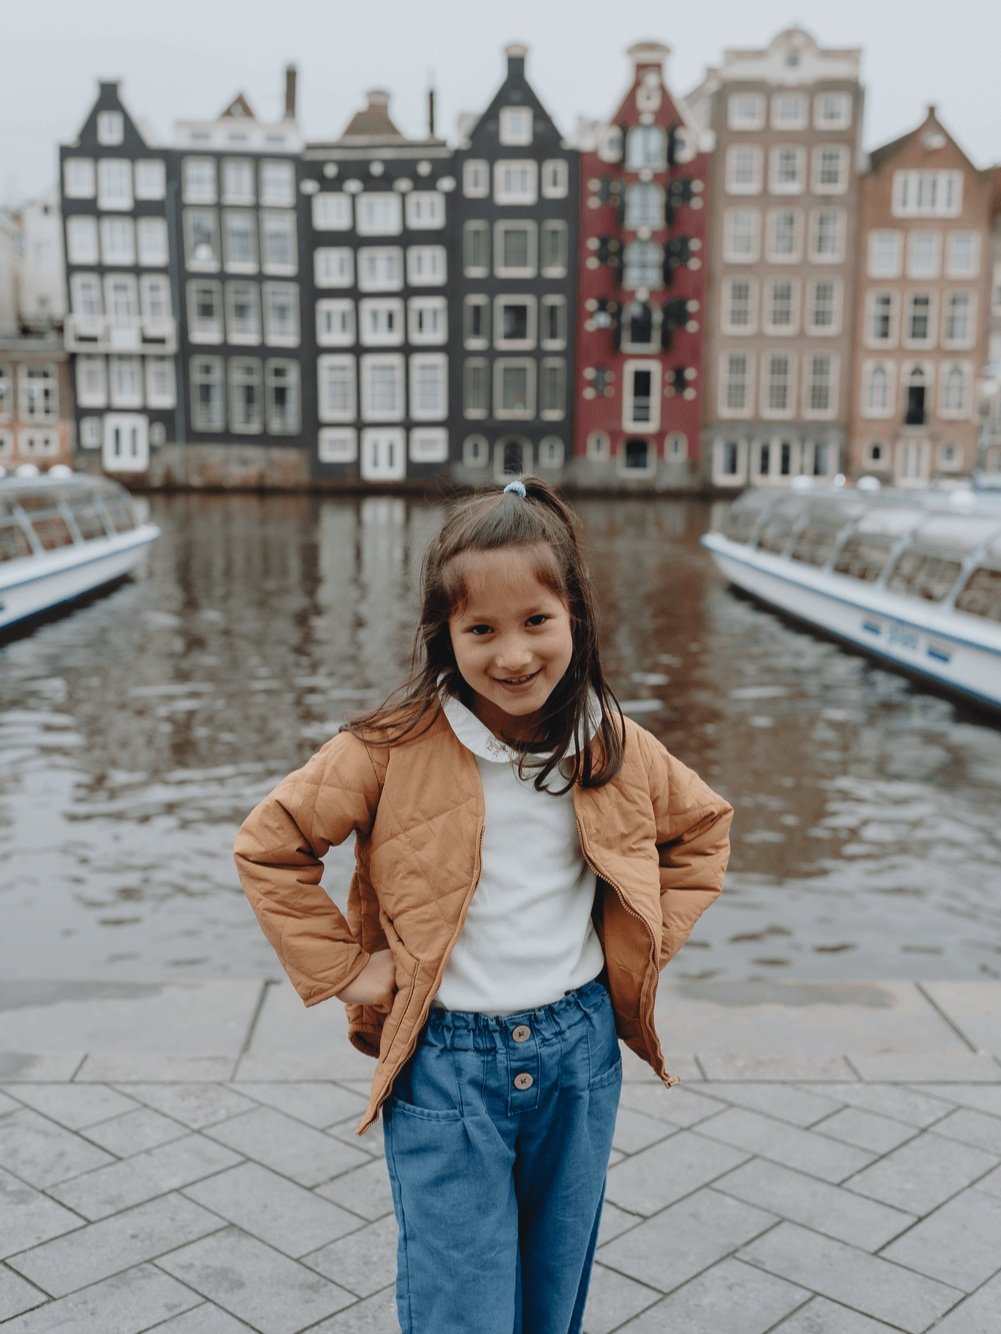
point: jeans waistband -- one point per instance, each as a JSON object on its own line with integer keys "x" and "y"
{"x": 466, "y": 1030}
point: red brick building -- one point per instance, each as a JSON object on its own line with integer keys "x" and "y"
{"x": 641, "y": 288}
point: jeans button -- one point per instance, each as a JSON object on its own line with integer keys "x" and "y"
{"x": 522, "y": 1033}
{"x": 524, "y": 1080}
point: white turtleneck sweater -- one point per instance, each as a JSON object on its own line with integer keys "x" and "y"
{"x": 528, "y": 935}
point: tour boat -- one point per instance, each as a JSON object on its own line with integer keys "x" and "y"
{"x": 61, "y": 537}
{"x": 912, "y": 579}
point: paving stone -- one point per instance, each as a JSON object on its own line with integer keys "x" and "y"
{"x": 204, "y": 1319}
{"x": 914, "y": 1108}
{"x": 375, "y": 1315}
{"x": 984, "y": 1097}
{"x": 372, "y": 1143}
{"x": 922, "y": 1173}
{"x": 681, "y": 1064}
{"x": 95, "y": 1252}
{"x": 979, "y": 1314}
{"x": 960, "y": 1243}
{"x": 128, "y": 1302}
{"x": 28, "y": 1217}
{"x": 74, "y": 1105}
{"x": 271, "y": 1208}
{"x": 786, "y": 1102}
{"x": 16, "y": 1295}
{"x": 253, "y": 1282}
{"x": 675, "y": 1106}
{"x": 991, "y": 1182}
{"x": 318, "y": 1104}
{"x": 782, "y": 1143}
{"x": 680, "y": 1241}
{"x": 148, "y": 1174}
{"x": 864, "y": 1282}
{"x": 296, "y": 1150}
{"x": 364, "y": 1191}
{"x": 729, "y": 1298}
{"x": 135, "y": 1131}
{"x": 126, "y": 1067}
{"x": 825, "y": 1208}
{"x": 615, "y": 1221}
{"x": 820, "y": 1316}
{"x": 775, "y": 1067}
{"x": 8, "y": 1105}
{"x": 950, "y": 1067}
{"x": 612, "y": 1299}
{"x": 59, "y": 1066}
{"x": 284, "y": 1066}
{"x": 196, "y": 1105}
{"x": 655, "y": 1178}
{"x": 973, "y": 1006}
{"x": 364, "y": 1261}
{"x": 865, "y": 1130}
{"x": 972, "y": 1127}
{"x": 635, "y": 1131}
{"x": 42, "y": 1152}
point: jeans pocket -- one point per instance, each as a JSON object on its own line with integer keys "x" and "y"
{"x": 612, "y": 1075}
{"x": 395, "y": 1105}
{"x": 428, "y": 1086}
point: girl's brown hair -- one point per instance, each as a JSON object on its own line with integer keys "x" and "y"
{"x": 490, "y": 521}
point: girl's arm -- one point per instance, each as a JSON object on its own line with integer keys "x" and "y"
{"x": 693, "y": 846}
{"x": 278, "y": 852}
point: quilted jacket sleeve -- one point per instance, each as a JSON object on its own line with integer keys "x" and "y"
{"x": 278, "y": 852}
{"x": 693, "y": 845}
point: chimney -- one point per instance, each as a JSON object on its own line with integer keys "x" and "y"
{"x": 430, "y": 113}
{"x": 290, "y": 90}
{"x": 516, "y": 53}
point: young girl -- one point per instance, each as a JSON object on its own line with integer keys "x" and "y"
{"x": 527, "y": 860}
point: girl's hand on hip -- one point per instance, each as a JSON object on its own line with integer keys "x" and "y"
{"x": 374, "y": 985}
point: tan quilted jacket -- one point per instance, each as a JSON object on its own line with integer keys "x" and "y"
{"x": 656, "y": 836}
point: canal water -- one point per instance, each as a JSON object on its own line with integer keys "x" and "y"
{"x": 137, "y": 732}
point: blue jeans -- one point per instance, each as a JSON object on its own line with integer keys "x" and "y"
{"x": 498, "y": 1133}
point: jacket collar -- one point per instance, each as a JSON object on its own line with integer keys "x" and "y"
{"x": 478, "y": 738}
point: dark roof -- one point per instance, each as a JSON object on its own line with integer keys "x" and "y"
{"x": 239, "y": 109}
{"x": 373, "y": 122}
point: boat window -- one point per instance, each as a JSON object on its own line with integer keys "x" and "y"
{"x": 13, "y": 543}
{"x": 775, "y": 535}
{"x": 51, "y": 530}
{"x": 743, "y": 517}
{"x": 923, "y": 574}
{"x": 864, "y": 555}
{"x": 982, "y": 594}
{"x": 88, "y": 519}
{"x": 816, "y": 542}
{"x": 120, "y": 512}
{"x": 956, "y": 534}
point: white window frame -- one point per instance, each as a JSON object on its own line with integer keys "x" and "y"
{"x": 821, "y": 330}
{"x": 768, "y": 307}
{"x": 136, "y": 426}
{"x": 630, "y": 422}
{"x": 550, "y": 227}
{"x": 950, "y": 340}
{"x": 471, "y": 340}
{"x": 873, "y": 303}
{"x": 240, "y": 223}
{"x": 275, "y": 334}
{"x": 276, "y": 183}
{"x": 555, "y": 178}
{"x": 772, "y": 253}
{"x": 208, "y": 371}
{"x": 333, "y": 267}
{"x": 346, "y": 366}
{"x": 779, "y": 183}
{"x": 884, "y": 408}
{"x": 924, "y": 193}
{"x": 956, "y": 265}
{"x": 598, "y": 446}
{"x": 86, "y": 300}
{"x": 475, "y": 451}
{"x": 559, "y": 303}
{"x": 271, "y": 218}
{"x": 114, "y": 184}
{"x": 475, "y": 228}
{"x": 378, "y": 213}
{"x": 516, "y": 181}
{"x": 516, "y": 126}
{"x": 832, "y": 110}
{"x": 728, "y": 290}
{"x": 481, "y": 367}
{"x": 118, "y": 241}
{"x": 200, "y": 329}
{"x": 907, "y": 338}
{"x": 117, "y": 285}
{"x": 429, "y": 444}
{"x": 236, "y": 333}
{"x": 725, "y": 407}
{"x": 948, "y": 410}
{"x": 424, "y": 210}
{"x": 241, "y": 371}
{"x": 435, "y": 366}
{"x": 818, "y": 256}
{"x": 38, "y": 392}
{"x": 744, "y": 169}
{"x": 782, "y": 104}
{"x": 557, "y": 410}
{"x": 730, "y": 221}
{"x": 199, "y": 180}
{"x": 79, "y": 178}
{"x": 110, "y": 128}
{"x": 155, "y": 302}
{"x": 91, "y": 381}
{"x": 380, "y": 269}
{"x": 528, "y": 270}
{"x": 503, "y": 364}
{"x": 292, "y": 379}
{"x": 825, "y": 153}
{"x": 337, "y": 444}
{"x": 381, "y": 321}
{"x": 383, "y": 454}
{"x": 768, "y": 411}
{"x": 552, "y": 452}
{"x": 810, "y": 361}
{"x": 745, "y": 111}
{"x": 890, "y": 262}
{"x": 125, "y": 381}
{"x": 332, "y": 211}
{"x": 150, "y": 178}
{"x": 434, "y": 309}
{"x": 924, "y": 253}
{"x": 195, "y": 262}
{"x": 239, "y": 184}
{"x": 427, "y": 266}
{"x": 476, "y": 178}
{"x": 646, "y": 148}
{"x": 341, "y": 310}
{"x": 152, "y": 242}
{"x": 372, "y": 363}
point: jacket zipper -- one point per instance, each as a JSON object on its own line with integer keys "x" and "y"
{"x": 665, "y": 1075}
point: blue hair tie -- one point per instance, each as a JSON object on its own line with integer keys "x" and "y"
{"x": 518, "y": 488}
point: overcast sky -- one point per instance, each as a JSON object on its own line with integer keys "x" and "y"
{"x": 185, "y": 59}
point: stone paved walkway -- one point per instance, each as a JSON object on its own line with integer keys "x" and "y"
{"x": 826, "y": 1190}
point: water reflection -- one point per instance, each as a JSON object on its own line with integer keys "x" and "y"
{"x": 138, "y": 731}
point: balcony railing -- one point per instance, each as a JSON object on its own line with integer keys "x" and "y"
{"x": 148, "y": 336}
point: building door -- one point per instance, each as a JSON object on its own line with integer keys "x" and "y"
{"x": 383, "y": 455}
{"x": 126, "y": 442}
{"x": 913, "y": 462}
{"x": 916, "y": 391}
{"x": 512, "y": 457}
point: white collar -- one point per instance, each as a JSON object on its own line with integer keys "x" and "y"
{"x": 478, "y": 738}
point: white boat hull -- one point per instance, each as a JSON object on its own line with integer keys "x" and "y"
{"x": 38, "y": 584}
{"x": 956, "y": 651}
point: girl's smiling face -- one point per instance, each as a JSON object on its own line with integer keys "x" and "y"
{"x": 512, "y": 639}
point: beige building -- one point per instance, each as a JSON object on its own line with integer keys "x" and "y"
{"x": 36, "y": 405}
{"x": 783, "y": 198}
{"x": 923, "y": 291}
